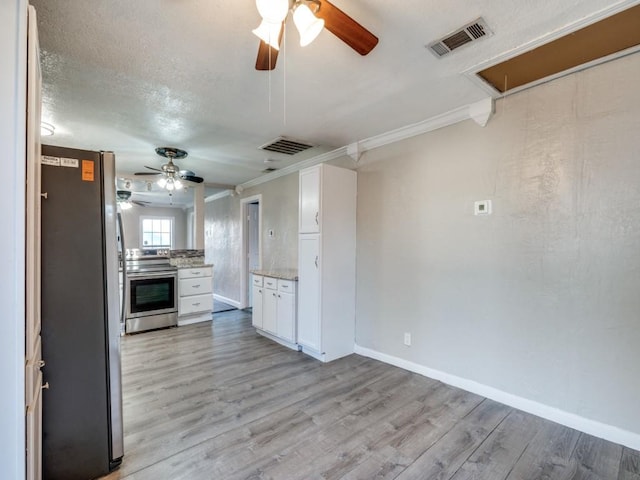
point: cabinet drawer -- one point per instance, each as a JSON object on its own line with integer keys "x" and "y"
{"x": 195, "y": 304}
{"x": 286, "y": 286}
{"x": 271, "y": 283}
{"x": 194, "y": 272}
{"x": 257, "y": 280}
{"x": 195, "y": 286}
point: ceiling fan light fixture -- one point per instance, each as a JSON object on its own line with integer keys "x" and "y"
{"x": 126, "y": 205}
{"x": 162, "y": 182}
{"x": 269, "y": 33}
{"x": 308, "y": 25}
{"x": 177, "y": 184}
{"x": 273, "y": 11}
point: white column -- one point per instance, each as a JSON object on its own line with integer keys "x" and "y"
{"x": 198, "y": 217}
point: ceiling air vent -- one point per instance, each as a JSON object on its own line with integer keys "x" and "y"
{"x": 269, "y": 170}
{"x": 286, "y": 146}
{"x": 467, "y": 34}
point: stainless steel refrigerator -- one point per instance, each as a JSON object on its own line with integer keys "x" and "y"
{"x": 82, "y": 408}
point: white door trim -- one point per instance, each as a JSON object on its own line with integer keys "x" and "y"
{"x": 244, "y": 233}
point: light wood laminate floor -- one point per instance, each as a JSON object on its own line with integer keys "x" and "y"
{"x": 218, "y": 401}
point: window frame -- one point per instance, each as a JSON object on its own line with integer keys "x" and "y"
{"x": 157, "y": 217}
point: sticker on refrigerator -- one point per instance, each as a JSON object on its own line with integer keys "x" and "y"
{"x": 69, "y": 162}
{"x": 87, "y": 170}
{"x": 48, "y": 160}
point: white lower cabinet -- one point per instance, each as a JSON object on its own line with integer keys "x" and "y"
{"x": 256, "y": 309}
{"x": 195, "y": 294}
{"x": 274, "y": 309}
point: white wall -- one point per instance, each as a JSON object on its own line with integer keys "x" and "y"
{"x": 131, "y": 224}
{"x": 12, "y": 251}
{"x": 539, "y": 300}
{"x": 223, "y": 241}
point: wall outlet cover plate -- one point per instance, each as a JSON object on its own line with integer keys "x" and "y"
{"x": 482, "y": 207}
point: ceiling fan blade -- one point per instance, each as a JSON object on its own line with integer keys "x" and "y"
{"x": 192, "y": 178}
{"x": 148, "y": 173}
{"x": 155, "y": 169}
{"x": 267, "y": 55}
{"x": 346, "y": 28}
{"x": 139, "y": 203}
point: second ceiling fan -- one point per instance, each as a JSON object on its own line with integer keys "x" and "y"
{"x": 310, "y": 17}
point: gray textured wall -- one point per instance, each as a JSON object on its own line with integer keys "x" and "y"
{"x": 223, "y": 241}
{"x": 540, "y": 299}
{"x": 131, "y": 224}
{"x": 223, "y": 245}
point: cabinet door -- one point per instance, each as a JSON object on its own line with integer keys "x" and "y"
{"x": 310, "y": 200}
{"x": 287, "y": 316}
{"x": 256, "y": 315}
{"x": 269, "y": 311}
{"x": 309, "y": 333}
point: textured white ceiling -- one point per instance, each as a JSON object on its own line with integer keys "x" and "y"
{"x": 131, "y": 76}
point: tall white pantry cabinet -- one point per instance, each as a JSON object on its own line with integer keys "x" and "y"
{"x": 327, "y": 262}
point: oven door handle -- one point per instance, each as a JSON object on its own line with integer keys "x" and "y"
{"x": 131, "y": 275}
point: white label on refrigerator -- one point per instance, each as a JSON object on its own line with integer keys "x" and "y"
{"x": 70, "y": 162}
{"x": 47, "y": 160}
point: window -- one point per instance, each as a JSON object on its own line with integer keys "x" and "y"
{"x": 157, "y": 232}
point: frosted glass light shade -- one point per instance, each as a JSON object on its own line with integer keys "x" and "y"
{"x": 125, "y": 205}
{"x": 309, "y": 27}
{"x": 273, "y": 11}
{"x": 177, "y": 183}
{"x": 162, "y": 182}
{"x": 269, "y": 33}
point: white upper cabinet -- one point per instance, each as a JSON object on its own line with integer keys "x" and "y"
{"x": 310, "y": 200}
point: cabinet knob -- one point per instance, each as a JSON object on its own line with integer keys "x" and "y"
{"x": 195, "y": 304}
{"x": 316, "y": 262}
{"x": 317, "y": 213}
{"x": 196, "y": 286}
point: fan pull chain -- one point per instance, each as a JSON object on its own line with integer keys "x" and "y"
{"x": 284, "y": 80}
{"x": 269, "y": 80}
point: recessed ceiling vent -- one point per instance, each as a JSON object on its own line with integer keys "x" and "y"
{"x": 467, "y": 34}
{"x": 269, "y": 170}
{"x": 286, "y": 146}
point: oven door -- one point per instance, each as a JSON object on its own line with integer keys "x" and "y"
{"x": 151, "y": 294}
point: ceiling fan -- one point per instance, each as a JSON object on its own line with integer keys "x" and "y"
{"x": 171, "y": 173}
{"x": 310, "y": 17}
{"x": 123, "y": 199}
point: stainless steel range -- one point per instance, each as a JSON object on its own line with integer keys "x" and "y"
{"x": 151, "y": 290}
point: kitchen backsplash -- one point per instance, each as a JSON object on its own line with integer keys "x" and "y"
{"x": 186, "y": 258}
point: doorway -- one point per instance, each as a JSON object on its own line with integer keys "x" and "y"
{"x": 251, "y": 221}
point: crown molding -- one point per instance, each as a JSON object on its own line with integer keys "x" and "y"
{"x": 480, "y": 112}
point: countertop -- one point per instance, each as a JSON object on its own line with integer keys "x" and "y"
{"x": 283, "y": 273}
{"x": 194, "y": 265}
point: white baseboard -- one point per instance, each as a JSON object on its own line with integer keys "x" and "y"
{"x": 591, "y": 427}
{"x": 281, "y": 341}
{"x": 230, "y": 301}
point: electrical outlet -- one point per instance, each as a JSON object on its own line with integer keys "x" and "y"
{"x": 407, "y": 339}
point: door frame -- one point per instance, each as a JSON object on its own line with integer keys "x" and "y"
{"x": 244, "y": 234}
